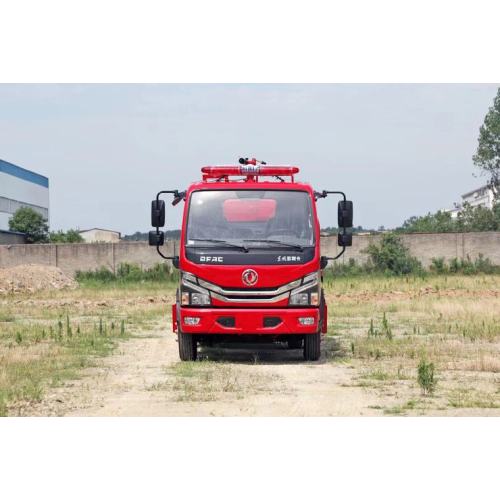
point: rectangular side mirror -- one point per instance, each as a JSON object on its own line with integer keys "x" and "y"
{"x": 156, "y": 239}
{"x": 344, "y": 240}
{"x": 157, "y": 213}
{"x": 345, "y": 211}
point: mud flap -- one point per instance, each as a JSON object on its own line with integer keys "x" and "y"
{"x": 324, "y": 318}
{"x": 174, "y": 318}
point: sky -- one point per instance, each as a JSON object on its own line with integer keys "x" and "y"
{"x": 397, "y": 150}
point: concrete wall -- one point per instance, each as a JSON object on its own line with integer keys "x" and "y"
{"x": 84, "y": 256}
{"x": 426, "y": 246}
{"x": 90, "y": 256}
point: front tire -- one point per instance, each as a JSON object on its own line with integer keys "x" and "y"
{"x": 188, "y": 347}
{"x": 312, "y": 346}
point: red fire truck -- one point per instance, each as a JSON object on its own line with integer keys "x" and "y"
{"x": 249, "y": 258}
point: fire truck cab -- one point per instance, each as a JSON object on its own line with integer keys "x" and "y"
{"x": 250, "y": 258}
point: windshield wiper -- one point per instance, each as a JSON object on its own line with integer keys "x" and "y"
{"x": 222, "y": 242}
{"x": 278, "y": 242}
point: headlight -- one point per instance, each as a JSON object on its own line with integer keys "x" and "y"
{"x": 200, "y": 299}
{"x": 307, "y": 294}
{"x": 192, "y": 293}
{"x": 299, "y": 299}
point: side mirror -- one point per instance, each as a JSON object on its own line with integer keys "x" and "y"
{"x": 157, "y": 214}
{"x": 344, "y": 240}
{"x": 156, "y": 239}
{"x": 345, "y": 210}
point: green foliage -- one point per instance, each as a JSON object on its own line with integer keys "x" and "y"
{"x": 466, "y": 266}
{"x": 29, "y": 221}
{"x": 487, "y": 156}
{"x": 70, "y": 236}
{"x": 438, "y": 265}
{"x": 173, "y": 234}
{"x": 477, "y": 219}
{"x": 385, "y": 329}
{"x": 392, "y": 257}
{"x": 128, "y": 273}
{"x": 351, "y": 268}
{"x": 440, "y": 222}
{"x": 467, "y": 220}
{"x": 425, "y": 377}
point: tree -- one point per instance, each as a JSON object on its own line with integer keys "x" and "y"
{"x": 440, "y": 222}
{"x": 29, "y": 221}
{"x": 70, "y": 236}
{"x": 391, "y": 256}
{"x": 478, "y": 219}
{"x": 487, "y": 156}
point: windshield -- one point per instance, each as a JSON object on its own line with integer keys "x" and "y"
{"x": 250, "y": 219}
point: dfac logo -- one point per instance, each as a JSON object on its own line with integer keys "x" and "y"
{"x": 249, "y": 277}
{"x": 211, "y": 258}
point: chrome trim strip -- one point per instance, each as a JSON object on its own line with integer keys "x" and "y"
{"x": 270, "y": 300}
{"x": 305, "y": 287}
{"x": 248, "y": 293}
{"x": 192, "y": 286}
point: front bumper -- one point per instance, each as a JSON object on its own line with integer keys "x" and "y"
{"x": 246, "y": 321}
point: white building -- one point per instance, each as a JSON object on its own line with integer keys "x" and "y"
{"x": 21, "y": 188}
{"x": 97, "y": 235}
{"x": 480, "y": 197}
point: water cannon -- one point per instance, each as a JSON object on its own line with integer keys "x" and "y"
{"x": 253, "y": 161}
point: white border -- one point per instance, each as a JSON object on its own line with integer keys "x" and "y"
{"x": 250, "y": 458}
{"x": 249, "y": 41}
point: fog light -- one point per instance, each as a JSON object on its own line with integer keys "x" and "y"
{"x": 185, "y": 298}
{"x": 191, "y": 320}
{"x": 306, "y": 321}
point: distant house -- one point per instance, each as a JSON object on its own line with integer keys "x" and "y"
{"x": 11, "y": 237}
{"x": 98, "y": 235}
{"x": 480, "y": 197}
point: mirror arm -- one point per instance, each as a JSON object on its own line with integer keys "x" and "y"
{"x": 324, "y": 194}
{"x": 178, "y": 196}
{"x": 325, "y": 259}
{"x": 174, "y": 259}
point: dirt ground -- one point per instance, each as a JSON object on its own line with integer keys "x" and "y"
{"x": 142, "y": 379}
{"x": 379, "y": 331}
{"x": 145, "y": 378}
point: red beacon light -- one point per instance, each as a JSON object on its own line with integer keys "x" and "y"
{"x": 250, "y": 169}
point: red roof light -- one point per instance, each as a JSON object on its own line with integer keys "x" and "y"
{"x": 248, "y": 170}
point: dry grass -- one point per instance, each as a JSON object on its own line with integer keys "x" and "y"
{"x": 49, "y": 337}
{"x": 209, "y": 381}
{"x": 454, "y": 322}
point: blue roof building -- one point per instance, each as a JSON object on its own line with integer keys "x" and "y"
{"x": 20, "y": 187}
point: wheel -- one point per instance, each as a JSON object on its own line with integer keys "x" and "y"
{"x": 312, "y": 346}
{"x": 295, "y": 343}
{"x": 188, "y": 346}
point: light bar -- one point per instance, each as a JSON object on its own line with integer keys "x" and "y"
{"x": 223, "y": 171}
